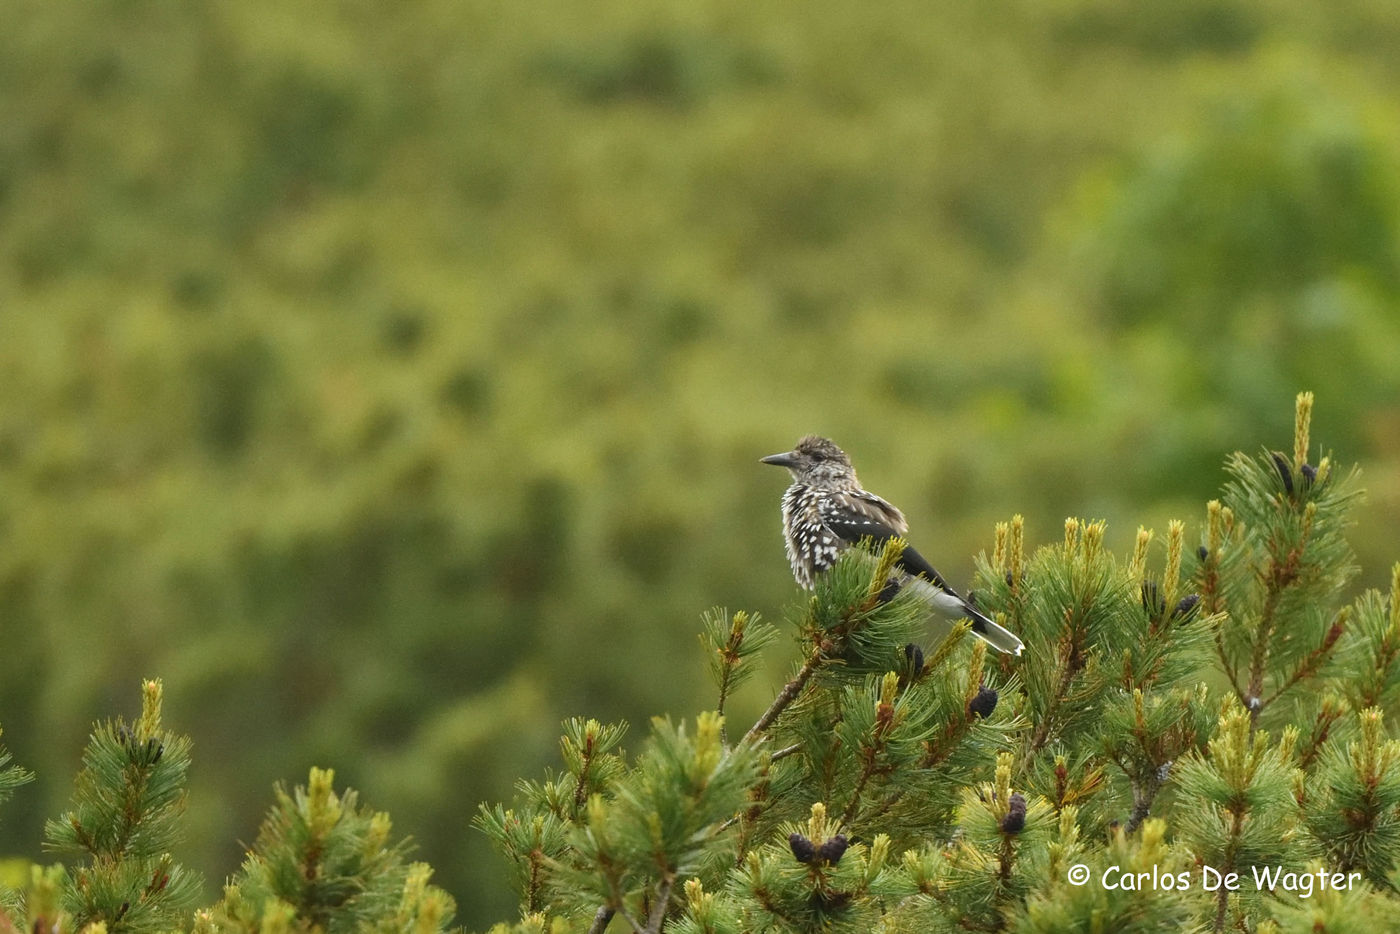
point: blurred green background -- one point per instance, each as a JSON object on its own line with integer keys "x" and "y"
{"x": 391, "y": 379}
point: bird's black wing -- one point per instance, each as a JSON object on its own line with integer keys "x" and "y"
{"x": 914, "y": 563}
{"x": 855, "y": 517}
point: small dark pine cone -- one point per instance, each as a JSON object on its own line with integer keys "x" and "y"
{"x": 984, "y": 703}
{"x": 1186, "y": 606}
{"x": 1203, "y": 552}
{"x": 889, "y": 591}
{"x": 915, "y": 657}
{"x": 1015, "y": 820}
{"x": 803, "y": 850}
{"x": 1281, "y": 462}
{"x": 834, "y": 848}
{"x": 1309, "y": 473}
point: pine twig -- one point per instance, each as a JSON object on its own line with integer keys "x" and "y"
{"x": 1314, "y": 659}
{"x": 788, "y": 694}
{"x": 632, "y": 922}
{"x": 1072, "y": 661}
{"x": 1142, "y": 807}
{"x": 1263, "y": 634}
{"x": 729, "y": 654}
{"x": 1226, "y": 664}
{"x": 600, "y": 920}
{"x": 785, "y": 752}
{"x": 658, "y": 910}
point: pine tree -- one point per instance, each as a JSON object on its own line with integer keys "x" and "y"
{"x": 1240, "y": 814}
{"x": 323, "y": 863}
{"x": 1146, "y": 872}
{"x": 1206, "y": 746}
{"x": 1103, "y": 781}
{"x": 11, "y": 777}
{"x": 320, "y": 863}
{"x": 1276, "y": 562}
{"x": 127, "y": 804}
{"x": 1354, "y": 814}
{"x": 1114, "y": 679}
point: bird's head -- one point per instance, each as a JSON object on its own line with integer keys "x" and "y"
{"x": 817, "y": 462}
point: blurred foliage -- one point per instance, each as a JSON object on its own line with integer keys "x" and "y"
{"x": 373, "y": 377}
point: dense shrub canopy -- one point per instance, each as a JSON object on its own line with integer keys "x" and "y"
{"x": 390, "y": 382}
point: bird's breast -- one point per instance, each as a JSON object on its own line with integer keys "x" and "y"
{"x": 811, "y": 546}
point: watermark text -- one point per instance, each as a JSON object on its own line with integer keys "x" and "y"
{"x": 1209, "y": 879}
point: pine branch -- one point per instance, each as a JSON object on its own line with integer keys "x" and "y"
{"x": 1222, "y": 898}
{"x": 658, "y": 909}
{"x": 1330, "y": 710}
{"x": 785, "y": 752}
{"x": 631, "y": 921}
{"x": 1142, "y": 807}
{"x": 1314, "y": 660}
{"x": 789, "y": 693}
{"x": 601, "y": 919}
{"x": 127, "y": 804}
{"x": 732, "y": 645}
{"x": 1070, "y": 660}
{"x": 11, "y": 776}
{"x": 1279, "y": 579}
{"x": 874, "y": 744}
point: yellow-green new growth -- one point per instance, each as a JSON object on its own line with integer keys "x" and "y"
{"x": 1302, "y": 420}
{"x": 1373, "y": 756}
{"x": 323, "y": 807}
{"x": 817, "y": 825}
{"x": 377, "y": 836}
{"x": 1153, "y": 848}
{"x": 1093, "y": 540}
{"x": 1083, "y": 540}
{"x": 1395, "y": 599}
{"x": 700, "y": 901}
{"x": 1215, "y": 536}
{"x": 1171, "y": 579}
{"x": 1060, "y": 850}
{"x": 1008, "y": 553}
{"x": 709, "y": 745}
{"x": 1016, "y": 548}
{"x": 1236, "y": 755}
{"x": 1002, "y": 783}
{"x": 890, "y": 554}
{"x": 1138, "y": 565}
{"x": 149, "y": 726}
{"x": 1288, "y": 742}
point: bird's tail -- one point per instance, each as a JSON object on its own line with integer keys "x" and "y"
{"x": 998, "y": 637}
{"x": 951, "y": 606}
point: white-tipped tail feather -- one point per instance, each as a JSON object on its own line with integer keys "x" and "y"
{"x": 950, "y": 607}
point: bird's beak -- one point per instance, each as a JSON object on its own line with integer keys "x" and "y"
{"x": 785, "y": 459}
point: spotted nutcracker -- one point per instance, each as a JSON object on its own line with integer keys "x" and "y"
{"x": 825, "y": 511}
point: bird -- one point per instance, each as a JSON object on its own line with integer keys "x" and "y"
{"x": 825, "y": 511}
